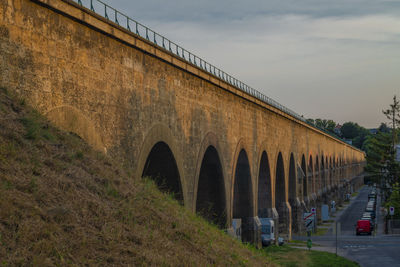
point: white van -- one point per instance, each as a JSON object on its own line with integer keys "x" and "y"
{"x": 267, "y": 231}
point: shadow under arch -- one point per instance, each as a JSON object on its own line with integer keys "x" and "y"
{"x": 304, "y": 169}
{"x": 264, "y": 199}
{"x": 71, "y": 119}
{"x": 292, "y": 179}
{"x": 310, "y": 171}
{"x": 210, "y": 183}
{"x": 160, "y": 159}
{"x": 293, "y": 200}
{"x": 242, "y": 192}
{"x": 280, "y": 195}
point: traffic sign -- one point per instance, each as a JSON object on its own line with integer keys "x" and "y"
{"x": 391, "y": 211}
{"x": 309, "y": 220}
{"x": 313, "y": 210}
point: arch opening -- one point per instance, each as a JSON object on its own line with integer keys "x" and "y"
{"x": 310, "y": 175}
{"x": 317, "y": 181}
{"x": 210, "y": 202}
{"x": 242, "y": 196}
{"x": 161, "y": 167}
{"x": 292, "y": 193}
{"x": 304, "y": 169}
{"x": 280, "y": 195}
{"x": 323, "y": 178}
{"x": 264, "y": 187}
{"x": 292, "y": 180}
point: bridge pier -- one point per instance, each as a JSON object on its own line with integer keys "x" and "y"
{"x": 251, "y": 231}
{"x": 285, "y": 220}
{"x": 297, "y": 217}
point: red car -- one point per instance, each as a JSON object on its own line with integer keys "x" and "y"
{"x": 363, "y": 227}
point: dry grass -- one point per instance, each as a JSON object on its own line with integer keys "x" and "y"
{"x": 62, "y": 203}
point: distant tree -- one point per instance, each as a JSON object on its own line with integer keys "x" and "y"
{"x": 331, "y": 125}
{"x": 394, "y": 200}
{"x": 384, "y": 128}
{"x": 350, "y": 130}
{"x": 320, "y": 123}
{"x": 378, "y": 148}
{"x": 310, "y": 121}
{"x": 393, "y": 114}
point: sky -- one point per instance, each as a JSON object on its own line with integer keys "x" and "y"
{"x": 336, "y": 60}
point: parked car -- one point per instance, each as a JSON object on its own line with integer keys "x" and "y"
{"x": 370, "y": 220}
{"x": 363, "y": 227}
{"x": 371, "y": 211}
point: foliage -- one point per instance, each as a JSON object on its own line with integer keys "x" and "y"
{"x": 287, "y": 256}
{"x": 393, "y": 115}
{"x": 394, "y": 201}
{"x": 384, "y": 128}
{"x": 381, "y": 152}
{"x": 326, "y": 125}
{"x": 350, "y": 130}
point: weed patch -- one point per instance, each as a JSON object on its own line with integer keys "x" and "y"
{"x": 34, "y": 127}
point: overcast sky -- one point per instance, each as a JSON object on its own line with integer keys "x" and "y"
{"x": 336, "y": 59}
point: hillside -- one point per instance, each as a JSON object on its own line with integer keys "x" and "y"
{"x": 61, "y": 203}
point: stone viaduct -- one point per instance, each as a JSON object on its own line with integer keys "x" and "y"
{"x": 223, "y": 152}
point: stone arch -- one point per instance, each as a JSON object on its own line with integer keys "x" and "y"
{"x": 316, "y": 175}
{"x": 210, "y": 186}
{"x": 323, "y": 174}
{"x": 331, "y": 171}
{"x": 211, "y": 200}
{"x": 304, "y": 169}
{"x": 157, "y": 142}
{"x": 280, "y": 194}
{"x": 310, "y": 171}
{"x": 71, "y": 119}
{"x": 293, "y": 200}
{"x": 161, "y": 167}
{"x": 264, "y": 188}
{"x": 292, "y": 179}
{"x": 242, "y": 192}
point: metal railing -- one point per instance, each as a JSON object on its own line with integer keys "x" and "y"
{"x": 113, "y": 15}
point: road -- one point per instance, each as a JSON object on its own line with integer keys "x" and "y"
{"x": 377, "y": 250}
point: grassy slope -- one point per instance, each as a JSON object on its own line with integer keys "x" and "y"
{"x": 62, "y": 203}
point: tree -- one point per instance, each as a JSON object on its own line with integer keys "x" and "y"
{"x": 378, "y": 148}
{"x": 394, "y": 200}
{"x": 393, "y": 114}
{"x": 384, "y": 128}
{"x": 331, "y": 125}
{"x": 350, "y": 130}
{"x": 310, "y": 121}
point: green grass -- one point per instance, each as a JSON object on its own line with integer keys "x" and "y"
{"x": 34, "y": 129}
{"x": 320, "y": 258}
{"x": 288, "y": 256}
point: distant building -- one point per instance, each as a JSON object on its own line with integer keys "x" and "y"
{"x": 337, "y": 130}
{"x": 349, "y": 141}
{"x": 398, "y": 152}
{"x": 373, "y": 131}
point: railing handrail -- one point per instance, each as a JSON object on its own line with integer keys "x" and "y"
{"x": 164, "y": 43}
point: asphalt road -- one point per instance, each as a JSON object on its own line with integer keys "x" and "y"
{"x": 349, "y": 217}
{"x": 369, "y": 251}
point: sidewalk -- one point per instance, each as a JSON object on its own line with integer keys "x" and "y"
{"x": 331, "y": 225}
